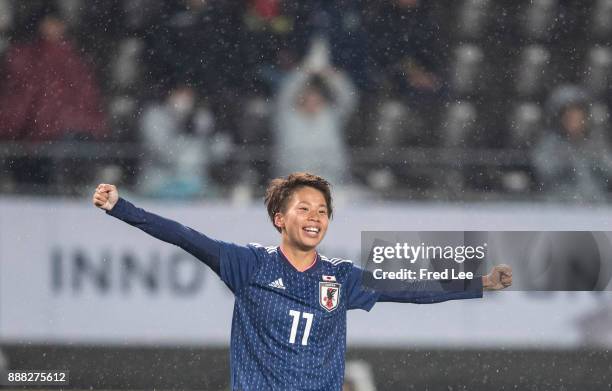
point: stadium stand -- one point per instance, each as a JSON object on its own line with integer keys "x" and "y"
{"x": 497, "y": 64}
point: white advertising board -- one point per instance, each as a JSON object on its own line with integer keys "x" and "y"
{"x": 71, "y": 274}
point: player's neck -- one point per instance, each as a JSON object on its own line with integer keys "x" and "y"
{"x": 299, "y": 259}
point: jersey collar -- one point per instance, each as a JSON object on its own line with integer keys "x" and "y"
{"x": 315, "y": 262}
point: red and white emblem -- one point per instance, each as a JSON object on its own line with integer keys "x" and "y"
{"x": 329, "y": 295}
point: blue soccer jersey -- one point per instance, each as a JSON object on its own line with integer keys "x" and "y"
{"x": 289, "y": 326}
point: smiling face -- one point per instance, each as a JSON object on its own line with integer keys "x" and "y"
{"x": 304, "y": 221}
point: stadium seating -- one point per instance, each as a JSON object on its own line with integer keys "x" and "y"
{"x": 6, "y": 16}
{"x": 127, "y": 71}
{"x": 499, "y": 60}
{"x": 539, "y": 19}
{"x": 525, "y": 124}
{"x": 473, "y": 18}
{"x": 600, "y": 16}
{"x": 467, "y": 66}
{"x": 531, "y": 71}
{"x": 459, "y": 124}
{"x": 597, "y": 67}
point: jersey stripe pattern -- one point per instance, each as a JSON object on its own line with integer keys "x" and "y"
{"x": 289, "y": 327}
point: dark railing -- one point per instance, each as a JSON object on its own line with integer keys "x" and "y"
{"x": 372, "y": 155}
{"x": 438, "y": 163}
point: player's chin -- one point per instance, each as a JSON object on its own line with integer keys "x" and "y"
{"x": 311, "y": 242}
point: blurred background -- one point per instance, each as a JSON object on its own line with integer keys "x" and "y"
{"x": 425, "y": 115}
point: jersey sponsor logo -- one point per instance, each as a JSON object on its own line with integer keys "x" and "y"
{"x": 329, "y": 278}
{"x": 277, "y": 284}
{"x": 329, "y": 295}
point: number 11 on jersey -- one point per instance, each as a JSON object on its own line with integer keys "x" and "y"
{"x": 294, "y": 326}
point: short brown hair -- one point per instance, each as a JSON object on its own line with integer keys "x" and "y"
{"x": 281, "y": 189}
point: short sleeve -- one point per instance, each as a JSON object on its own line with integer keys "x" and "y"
{"x": 238, "y": 264}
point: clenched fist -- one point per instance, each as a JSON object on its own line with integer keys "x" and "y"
{"x": 499, "y": 278}
{"x": 105, "y": 196}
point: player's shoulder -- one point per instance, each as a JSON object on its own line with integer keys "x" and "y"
{"x": 337, "y": 264}
{"x": 269, "y": 251}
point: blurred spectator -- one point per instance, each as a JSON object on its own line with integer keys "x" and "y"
{"x": 313, "y": 106}
{"x": 49, "y": 94}
{"x": 401, "y": 44}
{"x": 175, "y": 135}
{"x": 340, "y": 22}
{"x": 570, "y": 161}
{"x": 254, "y": 133}
{"x": 49, "y": 90}
{"x": 404, "y": 64}
{"x": 280, "y": 31}
{"x": 272, "y": 43}
{"x": 199, "y": 42}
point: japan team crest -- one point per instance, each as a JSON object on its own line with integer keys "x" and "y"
{"x": 329, "y": 295}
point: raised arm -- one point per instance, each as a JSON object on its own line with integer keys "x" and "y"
{"x": 343, "y": 90}
{"x": 429, "y": 292}
{"x": 290, "y": 89}
{"x": 199, "y": 245}
{"x": 436, "y": 291}
{"x": 425, "y": 291}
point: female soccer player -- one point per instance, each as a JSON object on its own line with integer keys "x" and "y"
{"x": 289, "y": 322}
